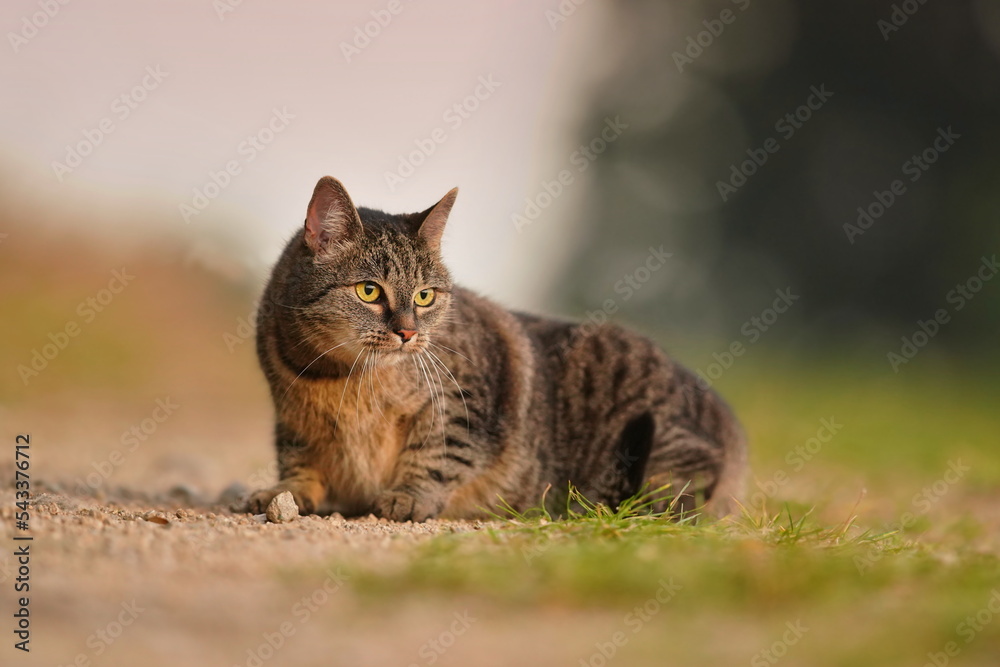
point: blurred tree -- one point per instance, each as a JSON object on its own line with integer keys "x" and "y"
{"x": 753, "y": 191}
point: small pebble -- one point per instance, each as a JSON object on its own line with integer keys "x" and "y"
{"x": 282, "y": 508}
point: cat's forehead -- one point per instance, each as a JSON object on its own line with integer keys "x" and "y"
{"x": 396, "y": 258}
{"x": 390, "y": 254}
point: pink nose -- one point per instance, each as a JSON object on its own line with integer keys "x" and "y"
{"x": 406, "y": 334}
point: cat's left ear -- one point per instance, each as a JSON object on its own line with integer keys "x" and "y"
{"x": 331, "y": 217}
{"x": 430, "y": 225}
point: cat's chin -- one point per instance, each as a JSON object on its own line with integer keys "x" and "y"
{"x": 393, "y": 357}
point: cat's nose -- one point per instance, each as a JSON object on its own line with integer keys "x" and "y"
{"x": 406, "y": 334}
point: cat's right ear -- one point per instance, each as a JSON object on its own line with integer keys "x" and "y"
{"x": 331, "y": 217}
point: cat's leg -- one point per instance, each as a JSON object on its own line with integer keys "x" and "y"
{"x": 427, "y": 474}
{"x": 436, "y": 460}
{"x": 297, "y": 474}
{"x": 702, "y": 446}
{"x": 671, "y": 463}
{"x": 648, "y": 423}
{"x": 684, "y": 469}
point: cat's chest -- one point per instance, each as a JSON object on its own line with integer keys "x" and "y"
{"x": 355, "y": 430}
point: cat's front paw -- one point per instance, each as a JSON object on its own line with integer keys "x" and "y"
{"x": 258, "y": 502}
{"x": 404, "y": 506}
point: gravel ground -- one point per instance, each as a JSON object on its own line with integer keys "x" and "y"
{"x": 126, "y": 580}
{"x": 217, "y": 587}
{"x": 75, "y": 534}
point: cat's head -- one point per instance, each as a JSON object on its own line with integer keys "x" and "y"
{"x": 369, "y": 281}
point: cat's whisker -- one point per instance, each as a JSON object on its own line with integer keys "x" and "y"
{"x": 420, "y": 373}
{"x": 285, "y": 305}
{"x": 361, "y": 382}
{"x": 371, "y": 385}
{"x": 441, "y": 404}
{"x": 436, "y": 409}
{"x": 310, "y": 364}
{"x": 417, "y": 371}
{"x": 445, "y": 347}
{"x": 441, "y": 395}
{"x": 346, "y": 383}
{"x": 379, "y": 378}
{"x": 430, "y": 389}
{"x": 310, "y": 336}
{"x": 437, "y": 360}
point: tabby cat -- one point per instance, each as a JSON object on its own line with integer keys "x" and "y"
{"x": 400, "y": 394}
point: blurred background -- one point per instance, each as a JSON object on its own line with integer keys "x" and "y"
{"x": 797, "y": 199}
{"x": 812, "y": 184}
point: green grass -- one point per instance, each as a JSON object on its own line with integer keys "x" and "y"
{"x": 878, "y": 576}
{"x": 591, "y": 557}
{"x": 892, "y": 596}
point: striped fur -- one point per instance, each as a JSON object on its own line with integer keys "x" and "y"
{"x": 483, "y": 404}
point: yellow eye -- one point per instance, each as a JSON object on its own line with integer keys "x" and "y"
{"x": 368, "y": 291}
{"x": 424, "y": 297}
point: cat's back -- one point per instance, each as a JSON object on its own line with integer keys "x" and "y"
{"x": 550, "y": 342}
{"x": 473, "y": 310}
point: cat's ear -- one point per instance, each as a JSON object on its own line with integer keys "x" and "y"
{"x": 431, "y": 222}
{"x": 331, "y": 217}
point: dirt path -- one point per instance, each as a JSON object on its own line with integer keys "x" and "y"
{"x": 137, "y": 582}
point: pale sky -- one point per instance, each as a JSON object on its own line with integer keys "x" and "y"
{"x": 183, "y": 91}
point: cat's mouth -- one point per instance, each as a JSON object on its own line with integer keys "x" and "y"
{"x": 385, "y": 355}
{"x": 402, "y": 342}
{"x": 408, "y": 348}
{"x": 397, "y": 349}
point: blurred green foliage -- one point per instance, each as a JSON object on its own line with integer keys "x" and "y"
{"x": 697, "y": 113}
